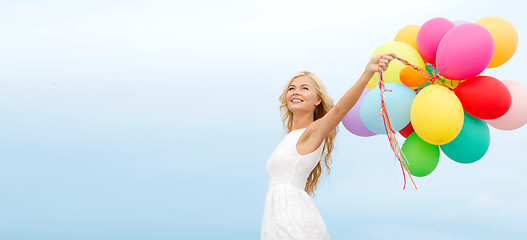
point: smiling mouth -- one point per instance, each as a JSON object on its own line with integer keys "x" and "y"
{"x": 296, "y": 100}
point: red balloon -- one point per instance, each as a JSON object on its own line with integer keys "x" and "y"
{"x": 406, "y": 131}
{"x": 484, "y": 97}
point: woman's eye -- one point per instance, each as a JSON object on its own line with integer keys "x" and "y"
{"x": 305, "y": 88}
{"x": 291, "y": 89}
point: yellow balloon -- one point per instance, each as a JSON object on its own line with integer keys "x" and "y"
{"x": 451, "y": 83}
{"x": 505, "y": 39}
{"x": 437, "y": 115}
{"x": 402, "y": 50}
{"x": 408, "y": 35}
{"x": 371, "y": 84}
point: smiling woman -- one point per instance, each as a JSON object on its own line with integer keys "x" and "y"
{"x": 293, "y": 170}
{"x": 305, "y": 92}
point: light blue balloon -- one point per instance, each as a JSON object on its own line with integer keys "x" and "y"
{"x": 398, "y": 103}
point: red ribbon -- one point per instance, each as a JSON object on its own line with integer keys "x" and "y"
{"x": 390, "y": 133}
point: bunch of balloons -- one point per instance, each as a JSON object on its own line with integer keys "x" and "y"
{"x": 442, "y": 103}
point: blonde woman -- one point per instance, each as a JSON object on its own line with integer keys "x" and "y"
{"x": 293, "y": 170}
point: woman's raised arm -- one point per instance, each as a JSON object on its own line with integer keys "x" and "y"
{"x": 320, "y": 129}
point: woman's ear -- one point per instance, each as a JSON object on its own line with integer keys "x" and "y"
{"x": 318, "y": 102}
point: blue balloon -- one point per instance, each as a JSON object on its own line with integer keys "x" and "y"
{"x": 398, "y": 103}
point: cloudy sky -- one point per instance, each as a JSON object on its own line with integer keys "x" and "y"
{"x": 154, "y": 120}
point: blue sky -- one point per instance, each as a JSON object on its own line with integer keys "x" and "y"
{"x": 154, "y": 120}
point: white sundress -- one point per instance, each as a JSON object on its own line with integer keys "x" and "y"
{"x": 289, "y": 211}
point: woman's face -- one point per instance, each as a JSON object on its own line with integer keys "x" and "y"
{"x": 302, "y": 95}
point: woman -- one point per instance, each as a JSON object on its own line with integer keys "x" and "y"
{"x": 294, "y": 167}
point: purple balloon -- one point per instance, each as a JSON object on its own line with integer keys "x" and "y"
{"x": 459, "y": 22}
{"x": 353, "y": 122}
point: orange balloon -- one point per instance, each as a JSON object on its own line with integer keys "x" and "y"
{"x": 505, "y": 39}
{"x": 412, "y": 78}
{"x": 408, "y": 35}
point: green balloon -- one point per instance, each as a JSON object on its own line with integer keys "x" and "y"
{"x": 472, "y": 142}
{"x": 421, "y": 157}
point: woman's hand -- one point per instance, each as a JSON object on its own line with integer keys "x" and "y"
{"x": 381, "y": 60}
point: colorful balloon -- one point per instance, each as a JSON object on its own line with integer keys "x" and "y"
{"x": 412, "y": 78}
{"x": 464, "y": 52}
{"x": 430, "y": 35}
{"x": 406, "y": 131}
{"x": 421, "y": 157}
{"x": 403, "y": 50}
{"x": 459, "y": 22}
{"x": 451, "y": 83}
{"x": 371, "y": 84}
{"x": 453, "y": 108}
{"x": 516, "y": 117}
{"x": 352, "y": 121}
{"x": 505, "y": 39}
{"x": 437, "y": 115}
{"x": 472, "y": 142}
{"x": 398, "y": 103}
{"x": 408, "y": 35}
{"x": 484, "y": 97}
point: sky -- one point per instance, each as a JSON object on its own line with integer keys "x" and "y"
{"x": 155, "y": 119}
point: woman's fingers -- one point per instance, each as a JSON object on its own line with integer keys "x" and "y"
{"x": 393, "y": 55}
{"x": 384, "y": 61}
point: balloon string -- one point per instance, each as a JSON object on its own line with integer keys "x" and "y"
{"x": 390, "y": 133}
{"x": 435, "y": 79}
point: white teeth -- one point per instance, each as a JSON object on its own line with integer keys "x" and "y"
{"x": 296, "y": 100}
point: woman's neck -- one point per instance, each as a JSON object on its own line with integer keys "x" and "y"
{"x": 301, "y": 121}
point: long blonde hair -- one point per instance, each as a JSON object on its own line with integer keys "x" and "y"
{"x": 321, "y": 110}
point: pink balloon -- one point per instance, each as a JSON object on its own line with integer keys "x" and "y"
{"x": 464, "y": 52}
{"x": 353, "y": 122}
{"x": 516, "y": 117}
{"x": 430, "y": 35}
